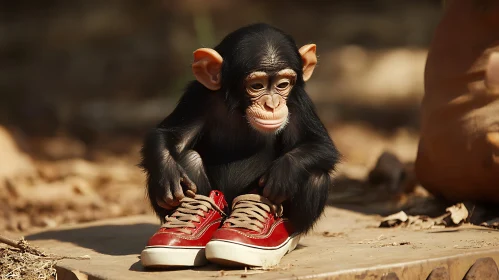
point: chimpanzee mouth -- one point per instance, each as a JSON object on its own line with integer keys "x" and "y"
{"x": 267, "y": 125}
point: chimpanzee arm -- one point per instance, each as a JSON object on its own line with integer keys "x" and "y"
{"x": 301, "y": 175}
{"x": 165, "y": 152}
{"x": 306, "y": 149}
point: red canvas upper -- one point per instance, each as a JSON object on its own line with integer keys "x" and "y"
{"x": 198, "y": 236}
{"x": 275, "y": 231}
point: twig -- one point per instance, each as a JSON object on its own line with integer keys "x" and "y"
{"x": 9, "y": 242}
{"x": 22, "y": 245}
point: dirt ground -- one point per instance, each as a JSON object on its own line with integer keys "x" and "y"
{"x": 38, "y": 193}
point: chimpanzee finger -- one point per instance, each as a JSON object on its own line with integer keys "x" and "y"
{"x": 262, "y": 181}
{"x": 273, "y": 196}
{"x": 186, "y": 181}
{"x": 166, "y": 200}
{"x": 279, "y": 199}
{"x": 266, "y": 190}
{"x": 163, "y": 204}
{"x": 170, "y": 198}
{"x": 276, "y": 193}
{"x": 270, "y": 189}
{"x": 168, "y": 194}
{"x": 190, "y": 193}
{"x": 178, "y": 193}
{"x": 175, "y": 203}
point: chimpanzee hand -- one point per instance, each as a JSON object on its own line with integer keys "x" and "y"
{"x": 281, "y": 182}
{"x": 175, "y": 183}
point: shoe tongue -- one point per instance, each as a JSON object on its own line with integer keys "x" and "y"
{"x": 219, "y": 198}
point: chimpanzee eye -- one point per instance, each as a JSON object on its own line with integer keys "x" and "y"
{"x": 256, "y": 86}
{"x": 283, "y": 85}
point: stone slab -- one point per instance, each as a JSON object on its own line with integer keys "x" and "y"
{"x": 344, "y": 245}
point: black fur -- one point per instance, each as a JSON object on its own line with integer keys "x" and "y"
{"x": 221, "y": 151}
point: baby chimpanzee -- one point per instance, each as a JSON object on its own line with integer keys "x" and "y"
{"x": 246, "y": 132}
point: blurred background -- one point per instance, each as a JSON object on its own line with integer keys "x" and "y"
{"x": 82, "y": 80}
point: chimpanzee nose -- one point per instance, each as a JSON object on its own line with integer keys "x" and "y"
{"x": 271, "y": 102}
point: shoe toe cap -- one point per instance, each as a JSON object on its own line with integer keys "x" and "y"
{"x": 172, "y": 239}
{"x": 274, "y": 238}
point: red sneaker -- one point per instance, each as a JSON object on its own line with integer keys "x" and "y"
{"x": 182, "y": 239}
{"x": 255, "y": 234}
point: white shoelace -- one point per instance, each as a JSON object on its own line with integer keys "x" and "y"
{"x": 189, "y": 212}
{"x": 249, "y": 211}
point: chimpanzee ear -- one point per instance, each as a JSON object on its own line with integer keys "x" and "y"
{"x": 492, "y": 73}
{"x": 309, "y": 60}
{"x": 206, "y": 67}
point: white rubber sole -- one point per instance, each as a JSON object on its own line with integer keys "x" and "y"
{"x": 172, "y": 256}
{"x": 237, "y": 254}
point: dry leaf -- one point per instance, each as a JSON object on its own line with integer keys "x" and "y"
{"x": 394, "y": 219}
{"x": 458, "y": 213}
